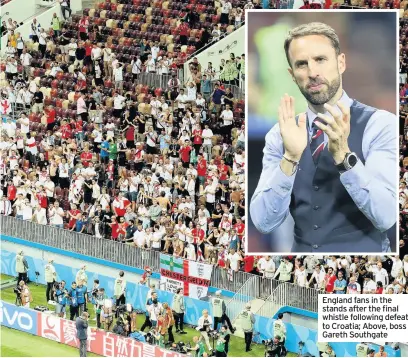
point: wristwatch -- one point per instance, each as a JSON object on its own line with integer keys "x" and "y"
{"x": 350, "y": 160}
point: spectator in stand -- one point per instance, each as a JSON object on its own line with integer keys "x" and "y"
{"x": 65, "y": 7}
{"x": 183, "y": 30}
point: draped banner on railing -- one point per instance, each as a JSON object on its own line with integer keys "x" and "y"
{"x": 193, "y": 277}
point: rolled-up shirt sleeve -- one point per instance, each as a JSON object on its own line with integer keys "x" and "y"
{"x": 373, "y": 185}
{"x": 270, "y": 203}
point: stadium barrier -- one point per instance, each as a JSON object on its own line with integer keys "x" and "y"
{"x": 116, "y": 252}
{"x": 63, "y": 331}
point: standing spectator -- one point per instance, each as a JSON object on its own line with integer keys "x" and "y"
{"x": 35, "y": 29}
{"x": 56, "y": 24}
{"x": 183, "y": 31}
{"x": 226, "y": 7}
{"x": 81, "y": 325}
{"x": 65, "y": 7}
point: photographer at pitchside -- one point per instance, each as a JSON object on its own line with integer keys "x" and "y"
{"x": 61, "y": 298}
{"x": 221, "y": 348}
{"x": 205, "y": 323}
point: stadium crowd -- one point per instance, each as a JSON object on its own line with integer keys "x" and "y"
{"x": 403, "y": 191}
{"x": 158, "y": 168}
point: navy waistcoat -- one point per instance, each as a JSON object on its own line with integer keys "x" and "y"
{"x": 326, "y": 217}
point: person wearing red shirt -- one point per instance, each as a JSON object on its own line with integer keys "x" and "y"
{"x": 185, "y": 154}
{"x": 223, "y": 170}
{"x": 198, "y": 238}
{"x": 115, "y": 228}
{"x": 183, "y": 31}
{"x": 83, "y": 28}
{"x": 130, "y": 136}
{"x": 42, "y": 198}
{"x": 50, "y": 114}
{"x": 120, "y": 204}
{"x": 201, "y": 169}
{"x": 86, "y": 157}
{"x": 122, "y": 229}
{"x": 198, "y": 138}
{"x": 88, "y": 50}
{"x": 79, "y": 133}
{"x": 249, "y": 262}
{"x": 330, "y": 279}
{"x": 240, "y": 229}
{"x": 11, "y": 192}
{"x": 72, "y": 216}
{"x": 66, "y": 130}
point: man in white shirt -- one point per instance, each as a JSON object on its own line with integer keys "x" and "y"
{"x": 136, "y": 67}
{"x": 151, "y": 139}
{"x": 39, "y": 215}
{"x": 49, "y": 187}
{"x": 118, "y": 102}
{"x": 107, "y": 57}
{"x": 189, "y": 252}
{"x": 26, "y": 58}
{"x": 380, "y": 274}
{"x": 228, "y": 117}
{"x": 27, "y": 211}
{"x": 266, "y": 267}
{"x": 139, "y": 237}
{"x": 225, "y": 10}
{"x": 155, "y": 49}
{"x": 207, "y": 140}
{"x": 396, "y": 266}
{"x": 200, "y": 101}
{"x": 234, "y": 259}
{"x": 118, "y": 75}
{"x": 155, "y": 104}
{"x": 319, "y": 277}
{"x": 96, "y": 53}
{"x": 5, "y": 206}
{"x": 71, "y": 50}
{"x": 56, "y": 215}
{"x": 369, "y": 285}
{"x": 181, "y": 100}
{"x": 150, "y": 65}
{"x": 353, "y": 287}
{"x": 55, "y": 68}
{"x": 204, "y": 324}
{"x": 301, "y": 276}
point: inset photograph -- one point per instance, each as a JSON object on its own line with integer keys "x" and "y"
{"x": 323, "y": 132}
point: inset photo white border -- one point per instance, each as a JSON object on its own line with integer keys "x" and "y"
{"x": 397, "y": 168}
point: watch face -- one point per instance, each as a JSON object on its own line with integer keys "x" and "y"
{"x": 352, "y": 160}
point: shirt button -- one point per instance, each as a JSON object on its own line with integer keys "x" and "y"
{"x": 316, "y": 207}
{"x": 316, "y": 188}
{"x": 315, "y": 246}
{"x": 275, "y": 211}
{"x": 315, "y": 227}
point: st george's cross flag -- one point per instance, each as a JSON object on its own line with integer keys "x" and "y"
{"x": 193, "y": 277}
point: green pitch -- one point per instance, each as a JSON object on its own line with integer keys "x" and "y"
{"x": 236, "y": 349}
{"x": 19, "y": 344}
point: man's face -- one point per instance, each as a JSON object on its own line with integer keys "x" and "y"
{"x": 316, "y": 68}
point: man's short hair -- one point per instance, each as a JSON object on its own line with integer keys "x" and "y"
{"x": 312, "y": 28}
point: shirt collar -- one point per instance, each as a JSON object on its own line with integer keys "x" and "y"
{"x": 311, "y": 116}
